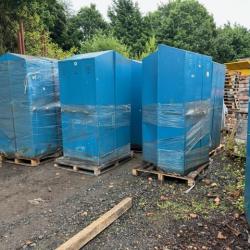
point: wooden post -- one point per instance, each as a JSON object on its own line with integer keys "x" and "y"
{"x": 22, "y": 43}
{"x": 88, "y": 233}
{"x": 19, "y": 43}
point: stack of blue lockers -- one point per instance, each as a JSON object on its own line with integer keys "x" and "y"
{"x": 217, "y": 96}
{"x": 95, "y": 98}
{"x": 176, "y": 109}
{"x": 29, "y": 110}
{"x": 136, "y": 105}
{"x": 247, "y": 182}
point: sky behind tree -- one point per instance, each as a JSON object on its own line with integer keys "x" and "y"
{"x": 222, "y": 10}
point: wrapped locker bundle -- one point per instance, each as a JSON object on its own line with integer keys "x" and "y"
{"x": 176, "y": 109}
{"x": 217, "y": 96}
{"x": 29, "y": 110}
{"x": 136, "y": 105}
{"x": 95, "y": 99}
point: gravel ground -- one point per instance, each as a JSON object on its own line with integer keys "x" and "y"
{"x": 42, "y": 207}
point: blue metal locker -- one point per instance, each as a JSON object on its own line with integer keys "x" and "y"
{"x": 247, "y": 178}
{"x": 95, "y": 98}
{"x": 30, "y": 110}
{"x": 136, "y": 104}
{"x": 217, "y": 96}
{"x": 176, "y": 109}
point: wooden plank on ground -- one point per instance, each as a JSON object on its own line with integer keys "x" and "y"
{"x": 88, "y": 233}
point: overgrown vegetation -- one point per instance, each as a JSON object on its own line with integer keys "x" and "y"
{"x": 234, "y": 148}
{"x": 236, "y": 189}
{"x": 52, "y": 29}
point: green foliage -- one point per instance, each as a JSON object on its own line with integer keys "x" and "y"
{"x": 150, "y": 47}
{"x": 128, "y": 25}
{"x": 40, "y": 44}
{"x": 234, "y": 148}
{"x": 232, "y": 42}
{"x": 84, "y": 26}
{"x": 185, "y": 24}
{"x": 236, "y": 172}
{"x": 180, "y": 23}
{"x": 181, "y": 210}
{"x": 101, "y": 42}
{"x": 43, "y": 22}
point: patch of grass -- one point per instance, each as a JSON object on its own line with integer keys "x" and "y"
{"x": 143, "y": 202}
{"x": 236, "y": 173}
{"x": 179, "y": 210}
{"x": 182, "y": 210}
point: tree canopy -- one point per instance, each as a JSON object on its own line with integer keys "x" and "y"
{"x": 128, "y": 25}
{"x": 232, "y": 42}
{"x": 102, "y": 42}
{"x": 52, "y": 29}
{"x": 84, "y": 25}
{"x": 185, "y": 24}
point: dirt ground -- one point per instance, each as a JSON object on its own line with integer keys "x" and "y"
{"x": 42, "y": 207}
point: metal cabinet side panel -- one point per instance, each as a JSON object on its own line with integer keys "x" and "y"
{"x": 7, "y": 135}
{"x": 149, "y": 115}
{"x": 105, "y": 92}
{"x": 122, "y": 103}
{"x": 136, "y": 103}
{"x": 218, "y": 80}
{"x": 247, "y": 174}
{"x": 171, "y": 96}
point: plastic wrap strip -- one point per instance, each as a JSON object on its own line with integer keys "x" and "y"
{"x": 172, "y": 160}
{"x": 197, "y": 132}
{"x": 174, "y": 115}
{"x": 117, "y": 153}
{"x": 197, "y": 157}
{"x": 96, "y": 115}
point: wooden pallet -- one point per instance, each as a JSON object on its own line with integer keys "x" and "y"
{"x": 136, "y": 148}
{"x": 30, "y": 162}
{"x": 218, "y": 150}
{"x": 88, "y": 168}
{"x": 150, "y": 169}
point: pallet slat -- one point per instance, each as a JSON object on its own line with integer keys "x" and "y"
{"x": 190, "y": 178}
{"x": 84, "y": 167}
{"x": 30, "y": 162}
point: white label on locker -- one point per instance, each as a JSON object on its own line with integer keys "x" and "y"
{"x": 208, "y": 74}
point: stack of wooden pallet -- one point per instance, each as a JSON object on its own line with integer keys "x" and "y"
{"x": 236, "y": 100}
{"x": 230, "y": 91}
{"x": 242, "y": 112}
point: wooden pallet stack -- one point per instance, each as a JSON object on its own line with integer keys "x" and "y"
{"x": 231, "y": 85}
{"x": 242, "y": 112}
{"x": 236, "y": 100}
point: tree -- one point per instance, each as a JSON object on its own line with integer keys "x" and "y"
{"x": 232, "y": 42}
{"x": 185, "y": 24}
{"x": 54, "y": 17}
{"x": 39, "y": 17}
{"x": 150, "y": 47}
{"x": 128, "y": 25}
{"x": 102, "y": 42}
{"x": 84, "y": 26}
